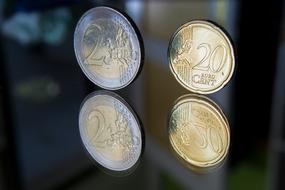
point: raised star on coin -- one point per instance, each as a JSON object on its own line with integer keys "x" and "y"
{"x": 110, "y": 131}
{"x": 108, "y": 48}
{"x": 201, "y": 57}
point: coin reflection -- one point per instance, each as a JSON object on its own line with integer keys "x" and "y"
{"x": 198, "y": 132}
{"x": 110, "y": 131}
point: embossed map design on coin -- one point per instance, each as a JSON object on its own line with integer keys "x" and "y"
{"x": 107, "y": 48}
{"x": 110, "y": 131}
{"x": 201, "y": 57}
{"x": 198, "y": 131}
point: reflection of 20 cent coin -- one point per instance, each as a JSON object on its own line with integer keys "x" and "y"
{"x": 198, "y": 131}
{"x": 110, "y": 131}
{"x": 108, "y": 48}
{"x": 201, "y": 57}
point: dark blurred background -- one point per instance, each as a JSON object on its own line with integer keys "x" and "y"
{"x": 42, "y": 87}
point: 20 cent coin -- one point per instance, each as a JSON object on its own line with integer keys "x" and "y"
{"x": 198, "y": 131}
{"x": 201, "y": 57}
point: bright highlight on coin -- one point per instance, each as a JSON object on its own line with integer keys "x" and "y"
{"x": 108, "y": 48}
{"x": 110, "y": 131}
{"x": 201, "y": 57}
{"x": 198, "y": 131}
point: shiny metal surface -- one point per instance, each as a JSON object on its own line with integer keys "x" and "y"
{"x": 199, "y": 131}
{"x": 107, "y": 48}
{"x": 110, "y": 131}
{"x": 201, "y": 57}
{"x": 42, "y": 88}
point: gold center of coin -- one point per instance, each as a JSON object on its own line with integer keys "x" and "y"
{"x": 201, "y": 57}
{"x": 198, "y": 131}
{"x": 108, "y": 51}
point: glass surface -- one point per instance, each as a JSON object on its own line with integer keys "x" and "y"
{"x": 42, "y": 88}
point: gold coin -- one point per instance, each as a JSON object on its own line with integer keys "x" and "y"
{"x": 198, "y": 131}
{"x": 201, "y": 57}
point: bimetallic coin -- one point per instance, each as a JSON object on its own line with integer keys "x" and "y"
{"x": 110, "y": 131}
{"x": 201, "y": 57}
{"x": 108, "y": 48}
{"x": 198, "y": 131}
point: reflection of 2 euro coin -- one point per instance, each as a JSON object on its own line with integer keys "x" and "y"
{"x": 198, "y": 131}
{"x": 110, "y": 131}
{"x": 108, "y": 48}
{"x": 201, "y": 57}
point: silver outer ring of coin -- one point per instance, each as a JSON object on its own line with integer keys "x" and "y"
{"x": 106, "y": 163}
{"x": 79, "y": 33}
